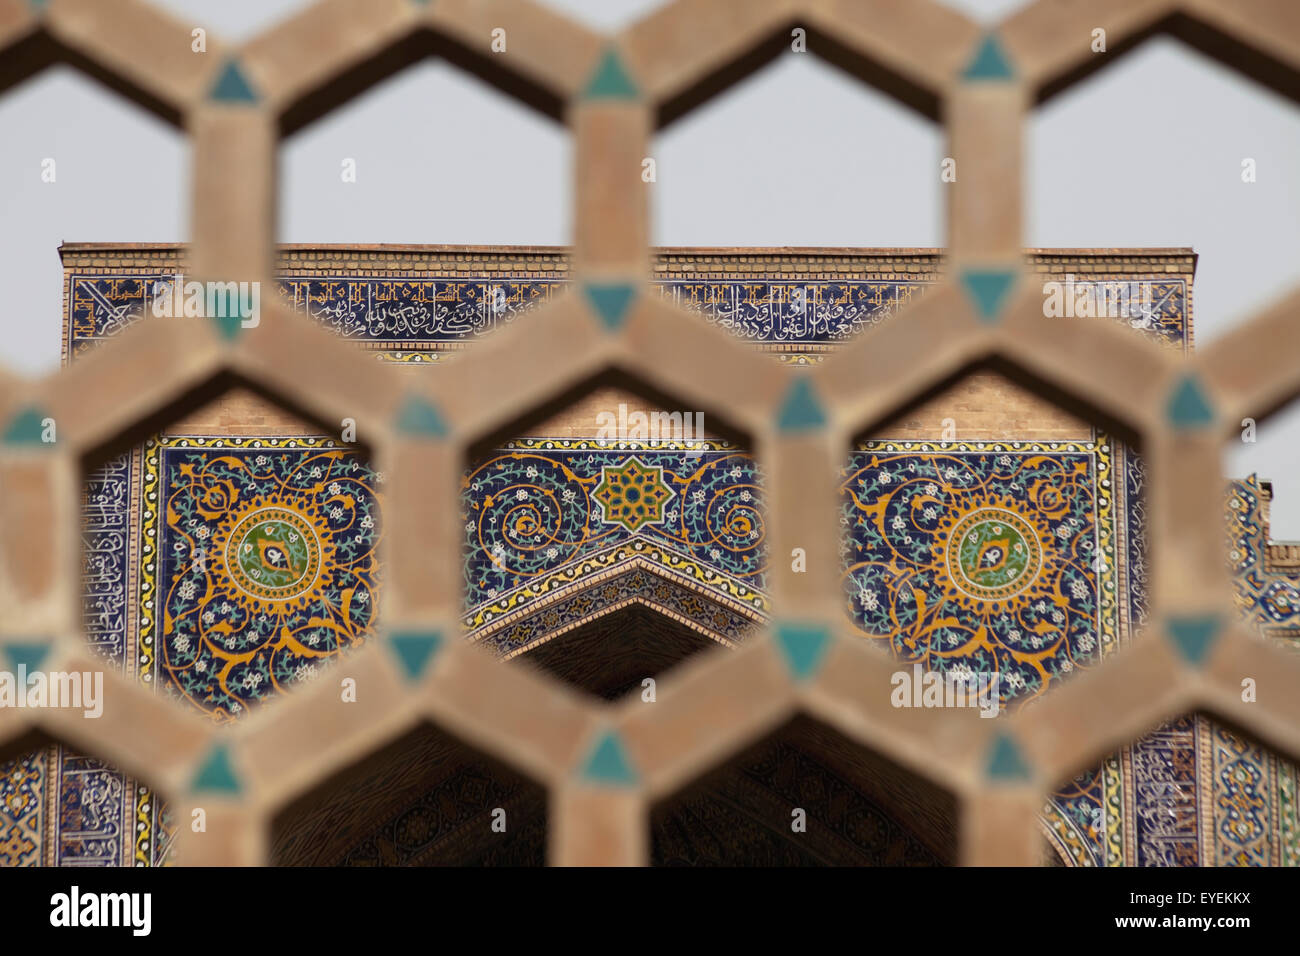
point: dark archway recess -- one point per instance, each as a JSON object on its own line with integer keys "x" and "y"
{"x": 862, "y": 809}
{"x": 610, "y": 656}
{"x": 427, "y": 799}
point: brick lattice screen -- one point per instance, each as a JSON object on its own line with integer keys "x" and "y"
{"x": 604, "y": 766}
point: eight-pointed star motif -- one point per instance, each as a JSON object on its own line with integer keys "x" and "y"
{"x": 632, "y": 495}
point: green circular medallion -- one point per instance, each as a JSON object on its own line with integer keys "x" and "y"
{"x": 993, "y": 554}
{"x": 273, "y": 554}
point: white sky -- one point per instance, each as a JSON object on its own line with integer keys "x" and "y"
{"x": 1145, "y": 153}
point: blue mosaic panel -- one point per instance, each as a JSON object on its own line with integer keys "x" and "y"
{"x": 792, "y": 312}
{"x": 1134, "y": 487}
{"x": 529, "y": 513}
{"x": 266, "y": 564}
{"x": 92, "y": 813}
{"x": 1162, "y": 777}
{"x": 1081, "y": 810}
{"x": 22, "y": 806}
{"x": 433, "y": 311}
{"x": 1268, "y": 598}
{"x": 106, "y": 546}
{"x": 60, "y": 808}
{"x": 414, "y": 310}
{"x": 981, "y": 562}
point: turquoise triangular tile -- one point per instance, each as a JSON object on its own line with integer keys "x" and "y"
{"x": 414, "y": 650}
{"x": 1005, "y": 762}
{"x": 228, "y": 326}
{"x": 803, "y": 646}
{"x": 419, "y": 417}
{"x": 27, "y": 654}
{"x": 608, "y": 763}
{"x": 988, "y": 290}
{"x": 216, "y": 775}
{"x": 800, "y": 411}
{"x": 1188, "y": 407}
{"x": 611, "y": 81}
{"x": 611, "y": 302}
{"x": 990, "y": 62}
{"x": 25, "y": 428}
{"x": 1193, "y": 637}
{"x": 232, "y": 87}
